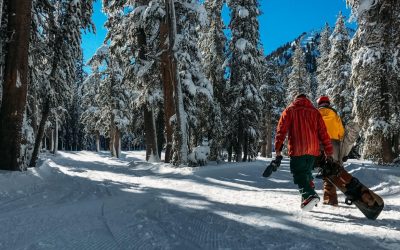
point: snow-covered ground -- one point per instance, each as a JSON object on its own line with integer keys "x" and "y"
{"x": 86, "y": 200}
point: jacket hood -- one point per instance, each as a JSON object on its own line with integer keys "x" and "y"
{"x": 303, "y": 102}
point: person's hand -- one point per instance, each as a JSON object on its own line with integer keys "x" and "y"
{"x": 278, "y": 153}
{"x": 276, "y": 163}
{"x": 329, "y": 159}
{"x": 278, "y": 159}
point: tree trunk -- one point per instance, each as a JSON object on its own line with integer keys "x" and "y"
{"x": 169, "y": 109}
{"x": 40, "y": 133}
{"x": 52, "y": 140}
{"x": 268, "y": 138}
{"x": 230, "y": 152}
{"x": 97, "y": 141}
{"x": 264, "y": 145}
{"x": 245, "y": 148}
{"x": 160, "y": 132}
{"x": 240, "y": 139}
{"x": 181, "y": 140}
{"x": 149, "y": 123}
{"x": 150, "y": 135}
{"x": 112, "y": 136}
{"x": 55, "y": 137}
{"x": 15, "y": 84}
{"x": 117, "y": 142}
{"x": 268, "y": 133}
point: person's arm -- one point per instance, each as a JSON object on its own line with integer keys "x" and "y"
{"x": 281, "y": 131}
{"x": 324, "y": 137}
{"x": 340, "y": 127}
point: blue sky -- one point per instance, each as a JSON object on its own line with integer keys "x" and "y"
{"x": 281, "y": 21}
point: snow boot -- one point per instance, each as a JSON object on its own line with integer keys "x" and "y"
{"x": 309, "y": 203}
{"x": 330, "y": 195}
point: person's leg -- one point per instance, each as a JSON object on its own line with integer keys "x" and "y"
{"x": 330, "y": 194}
{"x": 300, "y": 167}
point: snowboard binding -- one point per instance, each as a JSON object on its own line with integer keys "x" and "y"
{"x": 353, "y": 192}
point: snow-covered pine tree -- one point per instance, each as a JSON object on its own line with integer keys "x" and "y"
{"x": 322, "y": 61}
{"x": 167, "y": 74}
{"x": 15, "y": 85}
{"x": 72, "y": 128}
{"x": 65, "y": 20}
{"x": 197, "y": 91}
{"x": 245, "y": 69}
{"x": 112, "y": 99}
{"x": 147, "y": 74}
{"x": 91, "y": 115}
{"x": 112, "y": 96}
{"x": 375, "y": 71}
{"x": 39, "y": 57}
{"x": 338, "y": 71}
{"x": 212, "y": 44}
{"x": 272, "y": 92}
{"x": 298, "y": 80}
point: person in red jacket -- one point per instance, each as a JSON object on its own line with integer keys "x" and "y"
{"x": 305, "y": 128}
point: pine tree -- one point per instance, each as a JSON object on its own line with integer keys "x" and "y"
{"x": 212, "y": 44}
{"x": 322, "y": 61}
{"x": 298, "y": 80}
{"x": 375, "y": 75}
{"x": 273, "y": 94}
{"x": 196, "y": 89}
{"x": 113, "y": 101}
{"x": 65, "y": 21}
{"x": 90, "y": 104}
{"x": 245, "y": 68}
{"x": 147, "y": 70}
{"x": 339, "y": 71}
{"x": 142, "y": 47}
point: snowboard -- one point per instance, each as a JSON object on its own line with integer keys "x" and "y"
{"x": 367, "y": 201}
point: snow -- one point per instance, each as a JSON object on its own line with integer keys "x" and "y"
{"x": 361, "y": 6}
{"x": 243, "y": 12}
{"x": 87, "y": 200}
{"x": 18, "y": 84}
{"x": 241, "y": 44}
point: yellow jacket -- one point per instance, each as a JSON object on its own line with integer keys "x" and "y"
{"x": 333, "y": 123}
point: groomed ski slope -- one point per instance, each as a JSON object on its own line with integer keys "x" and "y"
{"x": 86, "y": 200}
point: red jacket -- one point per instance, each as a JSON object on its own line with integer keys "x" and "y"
{"x": 305, "y": 128}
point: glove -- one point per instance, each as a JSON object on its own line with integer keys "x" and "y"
{"x": 329, "y": 160}
{"x": 273, "y": 166}
{"x": 277, "y": 162}
{"x": 330, "y": 167}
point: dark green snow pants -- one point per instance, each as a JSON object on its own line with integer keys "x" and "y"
{"x": 301, "y": 167}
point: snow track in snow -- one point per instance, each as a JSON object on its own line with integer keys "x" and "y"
{"x": 86, "y": 200}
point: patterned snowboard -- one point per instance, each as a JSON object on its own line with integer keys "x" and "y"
{"x": 369, "y": 203}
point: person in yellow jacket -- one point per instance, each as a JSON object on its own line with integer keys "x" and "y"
{"x": 335, "y": 130}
